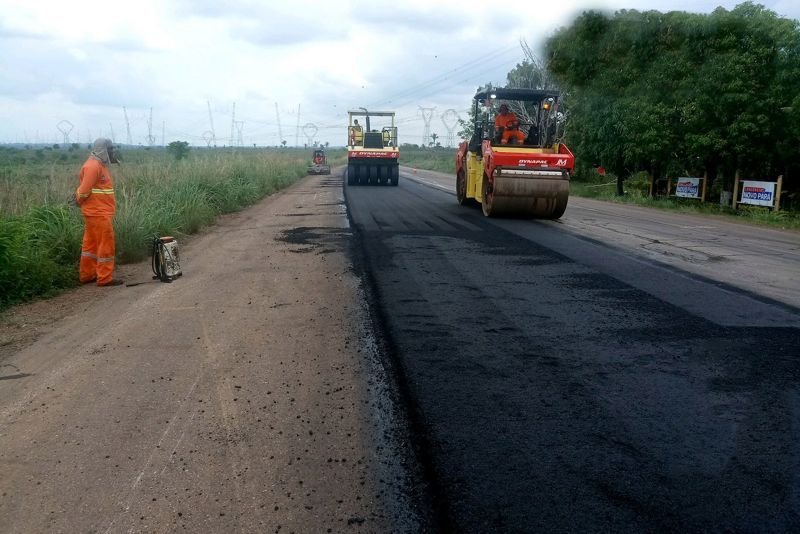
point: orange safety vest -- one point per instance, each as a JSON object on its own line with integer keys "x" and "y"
{"x": 504, "y": 121}
{"x": 95, "y": 193}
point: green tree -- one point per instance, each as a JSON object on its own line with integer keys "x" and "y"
{"x": 677, "y": 92}
{"x": 179, "y": 149}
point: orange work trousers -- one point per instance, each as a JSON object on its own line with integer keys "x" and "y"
{"x": 97, "y": 251}
{"x": 508, "y": 134}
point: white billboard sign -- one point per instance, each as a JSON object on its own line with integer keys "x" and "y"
{"x": 758, "y": 193}
{"x": 688, "y": 187}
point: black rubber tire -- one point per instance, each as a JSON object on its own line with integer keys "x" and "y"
{"x": 486, "y": 204}
{"x": 394, "y": 175}
{"x": 373, "y": 175}
{"x": 461, "y": 187}
{"x": 561, "y": 207}
{"x": 351, "y": 178}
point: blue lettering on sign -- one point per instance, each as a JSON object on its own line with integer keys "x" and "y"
{"x": 764, "y": 195}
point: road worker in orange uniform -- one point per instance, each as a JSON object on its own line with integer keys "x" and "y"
{"x": 95, "y": 196}
{"x": 509, "y": 124}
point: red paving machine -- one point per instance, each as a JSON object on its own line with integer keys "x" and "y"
{"x": 513, "y": 167}
{"x": 372, "y": 155}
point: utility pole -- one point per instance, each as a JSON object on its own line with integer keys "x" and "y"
{"x": 113, "y": 138}
{"x": 163, "y": 133}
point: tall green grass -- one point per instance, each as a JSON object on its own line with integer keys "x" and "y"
{"x": 40, "y": 234}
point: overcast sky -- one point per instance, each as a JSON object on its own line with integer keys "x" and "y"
{"x": 82, "y": 61}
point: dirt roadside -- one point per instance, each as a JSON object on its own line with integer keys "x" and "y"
{"x": 245, "y": 397}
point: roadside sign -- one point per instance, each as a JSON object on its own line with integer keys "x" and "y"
{"x": 688, "y": 187}
{"x": 758, "y": 193}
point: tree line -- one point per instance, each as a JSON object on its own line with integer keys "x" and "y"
{"x": 678, "y": 94}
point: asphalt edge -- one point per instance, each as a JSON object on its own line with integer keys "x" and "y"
{"x": 429, "y": 497}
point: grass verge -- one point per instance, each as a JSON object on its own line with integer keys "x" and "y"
{"x": 40, "y": 243}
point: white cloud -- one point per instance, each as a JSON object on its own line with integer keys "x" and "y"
{"x": 84, "y": 60}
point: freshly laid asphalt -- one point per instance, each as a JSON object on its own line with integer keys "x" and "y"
{"x": 556, "y": 382}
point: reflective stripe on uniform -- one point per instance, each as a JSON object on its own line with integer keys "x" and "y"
{"x": 103, "y": 191}
{"x": 105, "y": 260}
{"x": 89, "y": 255}
{"x": 84, "y": 195}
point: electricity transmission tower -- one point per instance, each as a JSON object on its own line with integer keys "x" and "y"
{"x": 208, "y": 137}
{"x": 127, "y": 125}
{"x": 297, "y": 131}
{"x": 233, "y": 122}
{"x": 211, "y": 120}
{"x": 450, "y": 120}
{"x": 151, "y": 140}
{"x": 310, "y": 131}
{"x": 65, "y": 127}
{"x": 239, "y": 138}
{"x": 280, "y": 132}
{"x": 427, "y": 115}
{"x": 113, "y": 138}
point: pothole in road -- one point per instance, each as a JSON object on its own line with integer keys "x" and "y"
{"x": 321, "y": 240}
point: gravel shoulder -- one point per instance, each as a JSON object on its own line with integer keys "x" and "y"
{"x": 246, "y": 396}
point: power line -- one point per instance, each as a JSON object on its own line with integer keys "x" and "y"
{"x": 416, "y": 89}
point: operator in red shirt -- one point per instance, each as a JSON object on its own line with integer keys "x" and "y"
{"x": 509, "y": 124}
